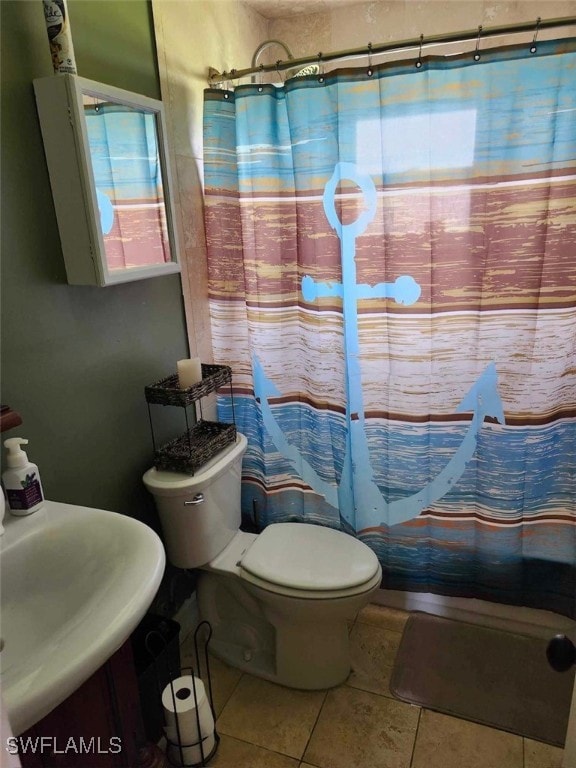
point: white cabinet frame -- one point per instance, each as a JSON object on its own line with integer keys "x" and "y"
{"x": 60, "y": 100}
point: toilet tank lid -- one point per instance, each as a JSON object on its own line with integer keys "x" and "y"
{"x": 165, "y": 483}
{"x": 309, "y": 557}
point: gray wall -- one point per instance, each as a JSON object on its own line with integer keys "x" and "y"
{"x": 75, "y": 359}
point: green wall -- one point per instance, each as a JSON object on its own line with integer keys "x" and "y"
{"x": 75, "y": 359}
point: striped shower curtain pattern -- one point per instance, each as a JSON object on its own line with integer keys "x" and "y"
{"x": 392, "y": 265}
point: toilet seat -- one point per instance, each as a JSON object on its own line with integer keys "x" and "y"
{"x": 310, "y": 562}
{"x": 309, "y": 594}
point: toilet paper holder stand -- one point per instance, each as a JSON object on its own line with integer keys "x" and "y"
{"x": 177, "y": 747}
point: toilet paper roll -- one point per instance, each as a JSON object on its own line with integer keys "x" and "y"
{"x": 182, "y": 724}
{"x": 190, "y": 755}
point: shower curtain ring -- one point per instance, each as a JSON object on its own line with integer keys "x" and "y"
{"x": 534, "y": 47}
{"x": 227, "y": 84}
{"x": 320, "y": 68}
{"x": 418, "y": 63}
{"x": 370, "y": 70}
{"x": 477, "y": 55}
{"x": 260, "y": 88}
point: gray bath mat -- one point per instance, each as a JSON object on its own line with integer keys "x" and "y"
{"x": 490, "y": 676}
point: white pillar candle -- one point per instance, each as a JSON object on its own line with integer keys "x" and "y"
{"x": 189, "y": 372}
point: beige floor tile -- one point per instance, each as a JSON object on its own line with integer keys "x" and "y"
{"x": 224, "y": 677}
{"x": 372, "y": 653}
{"x": 538, "y": 755}
{"x": 381, "y": 616}
{"x": 233, "y": 753}
{"x": 357, "y": 729}
{"x": 280, "y": 719}
{"x": 447, "y": 742}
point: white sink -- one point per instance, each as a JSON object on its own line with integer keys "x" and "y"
{"x": 75, "y": 583}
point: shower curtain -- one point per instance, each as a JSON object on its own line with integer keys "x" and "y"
{"x": 392, "y": 266}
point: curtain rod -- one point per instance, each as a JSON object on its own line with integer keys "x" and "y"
{"x": 215, "y": 77}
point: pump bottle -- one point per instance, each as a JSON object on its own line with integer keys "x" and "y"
{"x": 21, "y": 480}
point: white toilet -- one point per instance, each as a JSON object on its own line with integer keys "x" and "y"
{"x": 279, "y": 602}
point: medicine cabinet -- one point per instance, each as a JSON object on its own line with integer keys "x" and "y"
{"x": 107, "y": 158}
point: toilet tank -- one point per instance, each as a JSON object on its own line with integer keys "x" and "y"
{"x": 197, "y": 531}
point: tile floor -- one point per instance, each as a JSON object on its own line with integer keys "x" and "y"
{"x": 357, "y": 725}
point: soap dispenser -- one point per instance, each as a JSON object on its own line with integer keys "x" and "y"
{"x": 21, "y": 480}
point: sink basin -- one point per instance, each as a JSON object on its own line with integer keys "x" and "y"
{"x": 75, "y": 583}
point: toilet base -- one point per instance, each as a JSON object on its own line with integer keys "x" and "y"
{"x": 312, "y": 657}
{"x": 241, "y": 634}
{"x": 299, "y": 643}
{"x": 258, "y": 663}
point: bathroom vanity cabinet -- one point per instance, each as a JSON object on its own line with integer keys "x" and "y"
{"x": 98, "y": 726}
{"x": 204, "y": 439}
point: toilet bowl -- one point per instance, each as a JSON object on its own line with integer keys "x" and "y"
{"x": 279, "y": 602}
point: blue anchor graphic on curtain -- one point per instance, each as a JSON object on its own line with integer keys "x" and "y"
{"x": 358, "y": 497}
